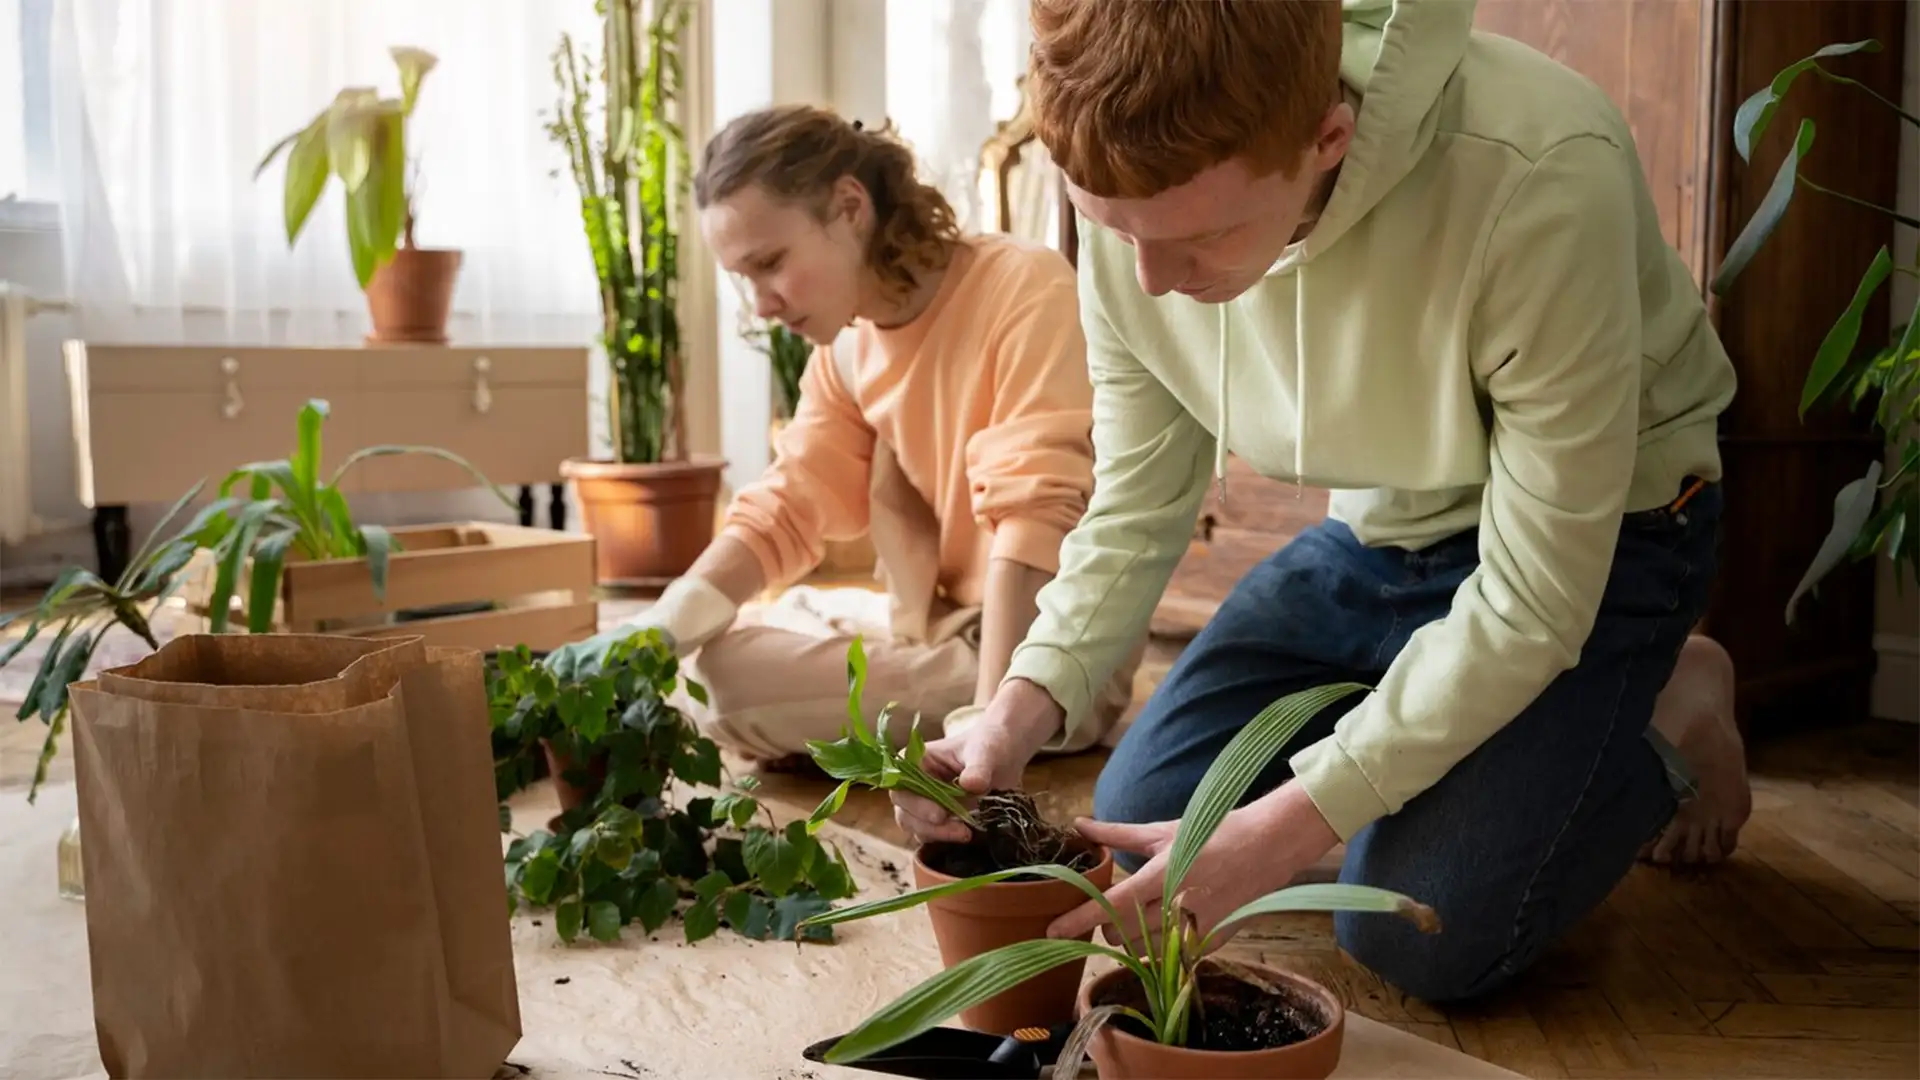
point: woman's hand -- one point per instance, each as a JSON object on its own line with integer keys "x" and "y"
{"x": 989, "y": 753}
{"x": 1257, "y": 849}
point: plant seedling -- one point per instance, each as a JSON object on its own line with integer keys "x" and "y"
{"x": 1168, "y": 971}
{"x": 1007, "y": 826}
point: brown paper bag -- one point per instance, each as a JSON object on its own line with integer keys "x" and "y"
{"x": 291, "y": 850}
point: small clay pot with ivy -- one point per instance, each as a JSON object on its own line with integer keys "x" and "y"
{"x": 1008, "y": 834}
{"x": 642, "y": 846}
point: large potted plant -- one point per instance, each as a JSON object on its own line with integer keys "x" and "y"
{"x": 1873, "y": 514}
{"x": 361, "y": 137}
{"x": 1167, "y": 1009}
{"x": 651, "y": 506}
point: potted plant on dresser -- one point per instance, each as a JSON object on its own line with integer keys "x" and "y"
{"x": 362, "y": 138}
{"x": 652, "y": 505}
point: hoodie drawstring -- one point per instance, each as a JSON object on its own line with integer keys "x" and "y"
{"x": 1220, "y": 440}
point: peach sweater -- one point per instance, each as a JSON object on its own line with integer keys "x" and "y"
{"x": 985, "y": 402}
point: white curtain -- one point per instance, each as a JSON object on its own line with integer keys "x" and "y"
{"x": 163, "y": 108}
{"x": 953, "y": 70}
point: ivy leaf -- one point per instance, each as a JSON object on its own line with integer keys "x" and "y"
{"x": 736, "y": 807}
{"x": 728, "y": 857}
{"x": 790, "y": 911}
{"x": 702, "y": 921}
{"x": 615, "y": 851}
{"x": 750, "y": 916}
{"x": 830, "y": 876}
{"x": 538, "y": 876}
{"x": 698, "y": 763}
{"x": 603, "y": 921}
{"x": 712, "y": 885}
{"x": 772, "y": 858}
{"x": 696, "y": 691}
{"x": 567, "y": 920}
{"x": 656, "y": 904}
{"x": 701, "y": 811}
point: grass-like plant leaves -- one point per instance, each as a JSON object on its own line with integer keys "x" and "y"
{"x": 1168, "y": 970}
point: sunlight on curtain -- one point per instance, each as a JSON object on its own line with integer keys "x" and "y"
{"x": 953, "y": 68}
{"x": 163, "y": 108}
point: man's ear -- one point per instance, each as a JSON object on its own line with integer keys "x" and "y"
{"x": 1336, "y": 135}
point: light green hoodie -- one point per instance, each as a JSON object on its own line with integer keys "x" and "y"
{"x": 1485, "y": 327}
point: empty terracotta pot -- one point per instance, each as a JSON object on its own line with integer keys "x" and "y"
{"x": 649, "y": 522}
{"x": 410, "y": 297}
{"x": 986, "y": 918}
{"x": 1122, "y": 1056}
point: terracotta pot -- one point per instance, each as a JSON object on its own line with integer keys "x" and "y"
{"x": 410, "y": 297}
{"x": 573, "y": 797}
{"x": 986, "y": 918}
{"x": 649, "y": 522}
{"x": 1122, "y": 1056}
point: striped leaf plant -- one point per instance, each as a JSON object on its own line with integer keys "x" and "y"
{"x": 1167, "y": 969}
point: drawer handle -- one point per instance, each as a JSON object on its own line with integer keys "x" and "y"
{"x": 482, "y": 393}
{"x": 234, "y": 403}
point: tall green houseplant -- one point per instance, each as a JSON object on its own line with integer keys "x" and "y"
{"x": 629, "y": 160}
{"x": 1875, "y": 513}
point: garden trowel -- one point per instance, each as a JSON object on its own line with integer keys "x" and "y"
{"x": 946, "y": 1053}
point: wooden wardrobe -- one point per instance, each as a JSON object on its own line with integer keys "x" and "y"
{"x": 1679, "y": 69}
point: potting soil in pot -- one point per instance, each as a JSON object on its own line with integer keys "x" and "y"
{"x": 1012, "y": 834}
{"x": 1234, "y": 1015}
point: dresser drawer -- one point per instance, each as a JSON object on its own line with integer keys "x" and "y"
{"x": 114, "y": 369}
{"x": 151, "y": 447}
{"x": 383, "y": 369}
{"x": 520, "y": 438}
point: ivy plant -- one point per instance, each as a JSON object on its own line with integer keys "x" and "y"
{"x": 644, "y": 849}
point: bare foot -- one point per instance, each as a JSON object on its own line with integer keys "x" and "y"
{"x": 1695, "y": 714}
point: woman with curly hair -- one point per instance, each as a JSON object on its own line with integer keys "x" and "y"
{"x": 945, "y": 412}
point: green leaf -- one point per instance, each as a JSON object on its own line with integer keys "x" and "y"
{"x": 379, "y": 545}
{"x": 538, "y": 875}
{"x": 793, "y": 916}
{"x": 1837, "y": 348}
{"x": 1334, "y": 897}
{"x": 67, "y": 669}
{"x": 232, "y": 552}
{"x": 153, "y": 540}
{"x": 33, "y": 631}
{"x": 414, "y": 64}
{"x": 308, "y": 166}
{"x": 1851, "y": 509}
{"x": 711, "y": 886}
{"x": 829, "y": 875}
{"x": 49, "y": 663}
{"x": 603, "y": 920}
{"x": 264, "y": 589}
{"x": 1767, "y": 218}
{"x": 305, "y": 463}
{"x": 957, "y": 989}
{"x": 856, "y": 689}
{"x": 829, "y": 806}
{"x": 1751, "y": 119}
{"x": 749, "y": 915}
{"x": 699, "y": 763}
{"x": 696, "y": 691}
{"x": 1227, "y": 779}
{"x": 773, "y": 859}
{"x": 702, "y": 920}
{"x": 389, "y": 450}
{"x": 891, "y": 904}
{"x": 656, "y": 904}
{"x": 567, "y": 919}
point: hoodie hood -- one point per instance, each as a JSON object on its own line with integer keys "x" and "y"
{"x": 1397, "y": 55}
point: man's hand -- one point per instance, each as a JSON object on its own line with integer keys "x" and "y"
{"x": 988, "y": 754}
{"x": 1257, "y": 849}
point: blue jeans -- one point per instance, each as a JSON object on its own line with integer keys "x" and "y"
{"x": 1530, "y": 831}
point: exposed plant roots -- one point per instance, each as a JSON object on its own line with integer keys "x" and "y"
{"x": 1011, "y": 834}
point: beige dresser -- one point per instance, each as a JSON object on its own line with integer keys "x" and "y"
{"x": 149, "y": 421}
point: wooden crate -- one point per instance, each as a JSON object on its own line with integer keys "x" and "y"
{"x": 540, "y": 583}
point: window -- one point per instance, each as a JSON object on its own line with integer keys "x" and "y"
{"x": 26, "y": 136}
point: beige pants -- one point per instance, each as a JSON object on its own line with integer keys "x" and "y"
{"x": 777, "y": 677}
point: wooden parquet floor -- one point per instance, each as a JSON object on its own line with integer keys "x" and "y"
{"x": 1800, "y": 957}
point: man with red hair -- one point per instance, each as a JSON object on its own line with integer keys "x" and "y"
{"x": 1366, "y": 248}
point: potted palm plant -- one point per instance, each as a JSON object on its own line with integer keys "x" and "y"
{"x": 651, "y": 505}
{"x": 361, "y": 137}
{"x": 1169, "y": 1010}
